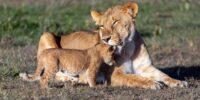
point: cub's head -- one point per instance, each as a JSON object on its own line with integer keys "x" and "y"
{"x": 106, "y": 52}
{"x": 116, "y": 24}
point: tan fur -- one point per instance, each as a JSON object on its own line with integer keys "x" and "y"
{"x": 71, "y": 63}
{"x": 72, "y": 41}
{"x": 117, "y": 27}
{"x": 46, "y": 41}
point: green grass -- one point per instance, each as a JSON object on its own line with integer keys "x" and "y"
{"x": 27, "y": 22}
{"x": 161, "y": 23}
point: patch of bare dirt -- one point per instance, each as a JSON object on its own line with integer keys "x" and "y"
{"x": 12, "y": 87}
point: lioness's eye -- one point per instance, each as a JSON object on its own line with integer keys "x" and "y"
{"x": 114, "y": 23}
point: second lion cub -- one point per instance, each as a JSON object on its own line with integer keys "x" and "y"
{"x": 72, "y": 63}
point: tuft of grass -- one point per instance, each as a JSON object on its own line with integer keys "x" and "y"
{"x": 10, "y": 72}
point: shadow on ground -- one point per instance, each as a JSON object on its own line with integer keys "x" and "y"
{"x": 182, "y": 72}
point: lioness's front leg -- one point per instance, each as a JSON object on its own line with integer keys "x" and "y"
{"x": 118, "y": 78}
{"x": 143, "y": 66}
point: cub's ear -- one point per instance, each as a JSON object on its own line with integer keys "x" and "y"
{"x": 131, "y": 8}
{"x": 96, "y": 15}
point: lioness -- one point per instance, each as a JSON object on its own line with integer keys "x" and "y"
{"x": 117, "y": 27}
{"x": 71, "y": 63}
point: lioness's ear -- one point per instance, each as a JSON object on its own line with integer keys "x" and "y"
{"x": 96, "y": 15}
{"x": 131, "y": 8}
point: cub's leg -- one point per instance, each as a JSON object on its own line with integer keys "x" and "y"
{"x": 44, "y": 81}
{"x": 45, "y": 78}
{"x": 91, "y": 78}
{"x": 118, "y": 78}
{"x": 91, "y": 74}
{"x": 143, "y": 66}
{"x": 49, "y": 73}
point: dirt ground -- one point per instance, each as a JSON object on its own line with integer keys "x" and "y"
{"x": 15, "y": 88}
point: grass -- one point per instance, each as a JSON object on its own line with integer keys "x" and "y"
{"x": 170, "y": 29}
{"x": 27, "y": 22}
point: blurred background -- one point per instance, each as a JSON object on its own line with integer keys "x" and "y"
{"x": 171, "y": 29}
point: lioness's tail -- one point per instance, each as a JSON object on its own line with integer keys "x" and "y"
{"x": 36, "y": 76}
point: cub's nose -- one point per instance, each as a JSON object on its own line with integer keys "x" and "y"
{"x": 107, "y": 39}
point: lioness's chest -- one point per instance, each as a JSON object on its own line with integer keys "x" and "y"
{"x": 125, "y": 57}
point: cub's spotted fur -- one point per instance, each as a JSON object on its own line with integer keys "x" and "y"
{"x": 71, "y": 63}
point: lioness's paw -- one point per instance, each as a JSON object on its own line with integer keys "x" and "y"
{"x": 184, "y": 84}
{"x": 181, "y": 84}
{"x": 176, "y": 83}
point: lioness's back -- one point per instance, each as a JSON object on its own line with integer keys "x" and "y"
{"x": 79, "y": 40}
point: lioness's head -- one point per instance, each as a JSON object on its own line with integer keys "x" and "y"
{"x": 106, "y": 51}
{"x": 116, "y": 25}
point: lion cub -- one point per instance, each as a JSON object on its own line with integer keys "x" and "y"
{"x": 71, "y": 63}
